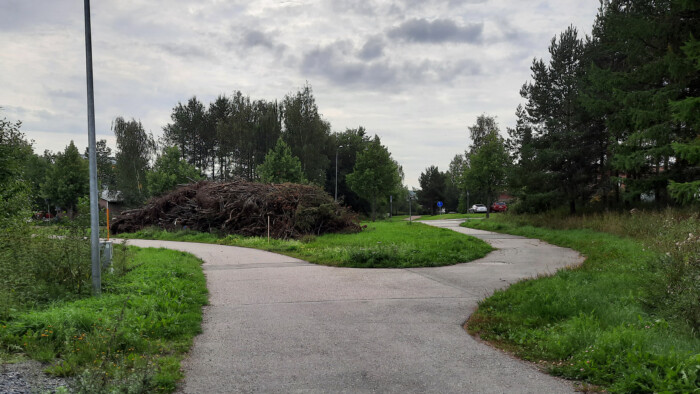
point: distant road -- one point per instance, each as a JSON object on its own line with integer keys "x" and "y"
{"x": 278, "y": 324}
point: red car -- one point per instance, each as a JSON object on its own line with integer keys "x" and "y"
{"x": 499, "y": 207}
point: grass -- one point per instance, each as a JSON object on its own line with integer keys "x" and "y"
{"x": 453, "y": 216}
{"x": 380, "y": 245}
{"x": 129, "y": 339}
{"x": 604, "y": 323}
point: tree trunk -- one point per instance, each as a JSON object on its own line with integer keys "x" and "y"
{"x": 374, "y": 208}
{"x": 572, "y": 206}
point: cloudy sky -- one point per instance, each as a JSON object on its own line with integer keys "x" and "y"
{"x": 415, "y": 72}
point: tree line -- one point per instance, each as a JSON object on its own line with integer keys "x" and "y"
{"x": 610, "y": 120}
{"x": 233, "y": 137}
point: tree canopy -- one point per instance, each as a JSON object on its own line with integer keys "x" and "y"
{"x": 169, "y": 171}
{"x": 134, "y": 150}
{"x": 375, "y": 175}
{"x": 281, "y": 166}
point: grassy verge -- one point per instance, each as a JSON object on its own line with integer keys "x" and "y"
{"x": 604, "y": 323}
{"x": 453, "y": 216}
{"x": 380, "y": 245}
{"x": 131, "y": 338}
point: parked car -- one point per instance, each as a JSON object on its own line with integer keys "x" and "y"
{"x": 499, "y": 206}
{"x": 478, "y": 208}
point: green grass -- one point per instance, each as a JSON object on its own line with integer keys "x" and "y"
{"x": 453, "y": 216}
{"x": 599, "y": 323}
{"x": 380, "y": 245}
{"x": 129, "y": 339}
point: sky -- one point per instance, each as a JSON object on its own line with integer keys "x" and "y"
{"x": 415, "y": 72}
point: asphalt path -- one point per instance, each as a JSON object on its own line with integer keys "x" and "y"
{"x": 279, "y": 324}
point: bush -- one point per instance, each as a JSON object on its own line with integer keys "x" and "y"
{"x": 42, "y": 265}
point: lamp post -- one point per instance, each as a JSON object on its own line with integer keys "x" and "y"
{"x": 94, "y": 210}
{"x": 336, "y": 171}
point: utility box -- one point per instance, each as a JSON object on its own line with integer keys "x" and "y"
{"x": 106, "y": 251}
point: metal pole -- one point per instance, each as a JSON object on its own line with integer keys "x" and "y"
{"x": 336, "y": 173}
{"x": 409, "y": 211}
{"x": 94, "y": 212}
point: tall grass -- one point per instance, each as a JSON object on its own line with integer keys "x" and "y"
{"x": 622, "y": 320}
{"x": 131, "y": 338}
{"x": 673, "y": 234}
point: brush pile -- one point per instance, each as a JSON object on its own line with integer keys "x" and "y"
{"x": 241, "y": 207}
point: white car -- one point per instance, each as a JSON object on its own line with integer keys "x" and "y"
{"x": 478, "y": 208}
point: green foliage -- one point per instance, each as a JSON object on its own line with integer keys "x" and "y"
{"x": 245, "y": 131}
{"x": 131, "y": 339}
{"x": 432, "y": 188}
{"x": 307, "y": 134}
{"x": 644, "y": 84}
{"x": 35, "y": 172}
{"x": 134, "y": 149}
{"x": 624, "y": 320}
{"x": 685, "y": 193}
{"x": 281, "y": 166}
{"x": 192, "y": 132}
{"x": 555, "y": 136}
{"x": 380, "y": 245}
{"x": 105, "y": 167}
{"x": 169, "y": 171}
{"x": 347, "y": 145}
{"x": 375, "y": 175}
{"x": 488, "y": 167}
{"x": 67, "y": 180}
{"x": 38, "y": 267}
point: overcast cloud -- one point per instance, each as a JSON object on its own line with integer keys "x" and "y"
{"x": 415, "y": 72}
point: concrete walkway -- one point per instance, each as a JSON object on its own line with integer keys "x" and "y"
{"x": 278, "y": 324}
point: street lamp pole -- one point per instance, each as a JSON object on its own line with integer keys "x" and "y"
{"x": 94, "y": 212}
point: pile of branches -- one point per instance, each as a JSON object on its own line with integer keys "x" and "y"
{"x": 241, "y": 207}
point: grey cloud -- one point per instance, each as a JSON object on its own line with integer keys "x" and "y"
{"x": 334, "y": 63}
{"x": 253, "y": 38}
{"x": 439, "y": 30}
{"x": 373, "y": 48}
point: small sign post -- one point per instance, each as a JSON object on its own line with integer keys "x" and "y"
{"x": 439, "y": 204}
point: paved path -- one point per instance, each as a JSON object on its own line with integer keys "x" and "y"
{"x": 278, "y": 324}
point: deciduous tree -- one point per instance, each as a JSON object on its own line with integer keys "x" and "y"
{"x": 134, "y": 150}
{"x": 488, "y": 167}
{"x": 375, "y": 175}
{"x": 67, "y": 180}
{"x": 169, "y": 171}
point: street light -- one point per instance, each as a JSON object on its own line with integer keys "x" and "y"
{"x": 94, "y": 210}
{"x": 336, "y": 171}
